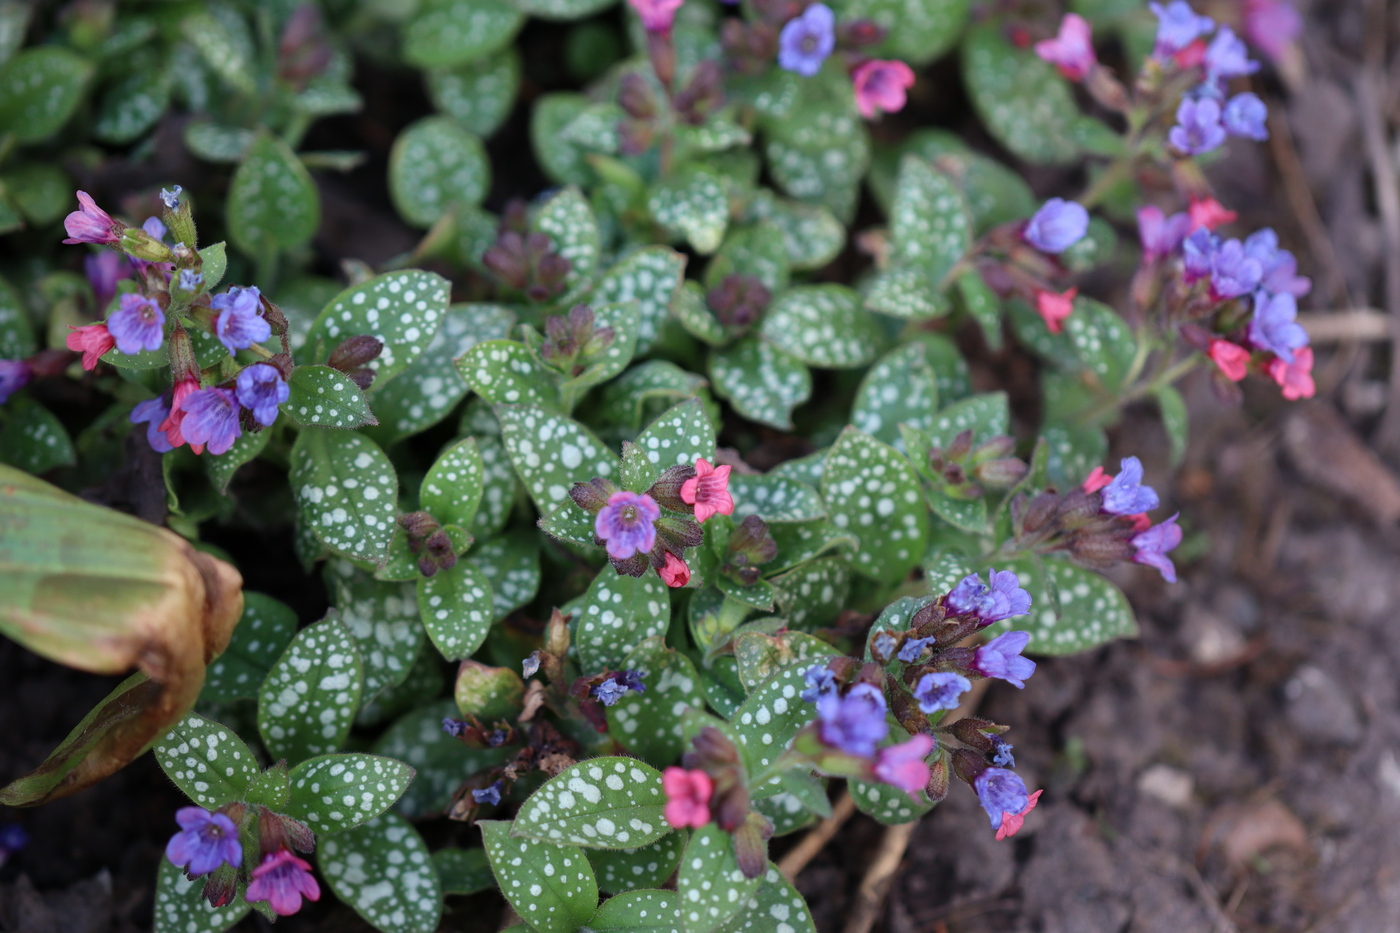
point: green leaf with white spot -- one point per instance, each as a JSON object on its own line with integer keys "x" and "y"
{"x": 786, "y": 813}
{"x": 213, "y": 142}
{"x": 308, "y": 701}
{"x": 16, "y": 333}
{"x": 819, "y": 152}
{"x": 506, "y": 371}
{"x": 774, "y": 499}
{"x": 463, "y": 871}
{"x": 567, "y": 219}
{"x": 564, "y": 9}
{"x": 1074, "y": 451}
{"x": 695, "y": 204}
{"x": 1021, "y": 99}
{"x": 616, "y": 614}
{"x": 511, "y": 564}
{"x": 811, "y": 233}
{"x": 457, "y": 609}
{"x": 762, "y": 382}
{"x": 448, "y": 33}
{"x": 402, "y": 310}
{"x": 319, "y": 395}
{"x": 711, "y": 885}
{"x": 1103, "y": 341}
{"x": 760, "y": 656}
{"x": 646, "y": 385}
{"x": 550, "y": 886}
{"x": 916, "y": 31}
{"x": 966, "y": 514}
{"x": 888, "y": 805}
{"x": 649, "y": 276}
{"x": 451, "y": 490}
{"x": 1072, "y": 609}
{"x": 346, "y": 490}
{"x": 693, "y": 313}
{"x": 873, "y": 493}
{"x": 551, "y": 452}
{"x": 680, "y": 436}
{"x": 33, "y": 438}
{"x": 259, "y": 639}
{"x": 39, "y": 90}
{"x": 479, "y": 94}
{"x": 333, "y": 793}
{"x": 561, "y": 160}
{"x": 982, "y": 305}
{"x": 776, "y": 907}
{"x": 814, "y": 592}
{"x": 603, "y": 803}
{"x": 985, "y": 415}
{"x": 206, "y": 760}
{"x": 272, "y": 202}
{"x": 773, "y": 713}
{"x": 181, "y": 908}
{"x": 646, "y": 911}
{"x": 382, "y": 618}
{"x": 757, "y": 250}
{"x": 649, "y": 724}
{"x": 595, "y": 129}
{"x": 905, "y": 292}
{"x": 899, "y": 389}
{"x": 647, "y": 866}
{"x": 441, "y": 761}
{"x": 132, "y": 105}
{"x": 930, "y": 224}
{"x": 434, "y": 164}
{"x": 824, "y": 326}
{"x": 1175, "y": 420}
{"x": 42, "y": 192}
{"x": 382, "y": 870}
{"x": 500, "y": 489}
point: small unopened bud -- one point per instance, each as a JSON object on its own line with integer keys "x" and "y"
{"x": 635, "y": 96}
{"x": 859, "y": 33}
{"x": 355, "y": 352}
{"x": 751, "y": 844}
{"x": 939, "y": 776}
{"x": 1038, "y": 512}
{"x": 738, "y": 301}
{"x": 556, "y": 637}
{"x": 967, "y": 764}
{"x": 667, "y": 489}
{"x": 972, "y": 731}
{"x": 960, "y": 447}
{"x": 752, "y": 543}
{"x": 418, "y": 525}
{"x": 1002, "y": 473}
{"x": 141, "y": 245}
{"x": 592, "y": 495}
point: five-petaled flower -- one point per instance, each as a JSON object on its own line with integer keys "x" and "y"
{"x": 91, "y": 224}
{"x": 210, "y": 419}
{"x": 1072, "y": 50}
{"x": 1198, "y": 128}
{"x": 881, "y": 85}
{"x": 940, "y": 690}
{"x": 1150, "y": 547}
{"x": 206, "y": 841}
{"x": 627, "y": 524}
{"x": 687, "y": 797}
{"x": 261, "y": 389}
{"x": 1000, "y": 791}
{"x": 1125, "y": 494}
{"x": 153, "y": 413}
{"x": 807, "y": 40}
{"x": 708, "y": 490}
{"x": 1246, "y": 115}
{"x": 490, "y": 795}
{"x": 1001, "y": 658}
{"x": 239, "y": 325}
{"x": 283, "y": 880}
{"x": 1295, "y": 378}
{"x": 1002, "y": 599}
{"x": 854, "y": 723}
{"x": 1274, "y": 325}
{"x": 139, "y": 324}
{"x": 91, "y": 340}
{"x": 1057, "y": 225}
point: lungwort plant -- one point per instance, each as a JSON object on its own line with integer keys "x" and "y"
{"x": 537, "y": 456}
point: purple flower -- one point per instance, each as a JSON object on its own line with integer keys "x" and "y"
{"x": 152, "y": 412}
{"x": 453, "y": 727}
{"x": 1177, "y": 27}
{"x": 1151, "y": 547}
{"x": 1280, "y": 266}
{"x": 632, "y": 680}
{"x": 854, "y": 723}
{"x": 1058, "y": 225}
{"x": 91, "y": 224}
{"x": 1228, "y": 57}
{"x": 155, "y": 228}
{"x": 206, "y": 841}
{"x": 171, "y": 199}
{"x": 1198, "y": 126}
{"x": 913, "y": 647}
{"x": 1126, "y": 495}
{"x": 104, "y": 270}
{"x": 283, "y": 880}
{"x": 190, "y": 279}
{"x": 1198, "y": 254}
{"x": 627, "y": 524}
{"x": 807, "y": 40}
{"x": 1233, "y": 272}
{"x": 13, "y": 838}
{"x": 609, "y": 691}
{"x": 139, "y": 324}
{"x": 1001, "y": 751}
{"x": 211, "y": 417}
{"x": 1001, "y": 658}
{"x": 490, "y": 795}
{"x": 530, "y": 665}
{"x": 1246, "y": 115}
{"x": 239, "y": 325}
{"x": 1275, "y": 327}
{"x": 1160, "y": 235}
{"x": 1002, "y": 600}
{"x": 261, "y": 388}
{"x": 14, "y": 375}
{"x": 820, "y": 682}
{"x": 1000, "y": 791}
{"x": 940, "y": 690}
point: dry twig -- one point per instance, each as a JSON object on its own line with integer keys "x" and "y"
{"x": 878, "y": 878}
{"x": 815, "y": 840}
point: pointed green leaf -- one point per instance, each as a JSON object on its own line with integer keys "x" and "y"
{"x": 711, "y": 886}
{"x": 760, "y": 656}
{"x": 757, "y": 250}
{"x": 694, "y": 203}
{"x": 132, "y": 106}
{"x": 761, "y": 381}
{"x": 382, "y": 618}
{"x": 463, "y": 871}
{"x": 899, "y": 389}
{"x": 400, "y": 309}
{"x": 511, "y": 564}
{"x": 382, "y": 870}
{"x": 982, "y": 305}
{"x": 647, "y": 911}
{"x": 1025, "y": 104}
{"x": 986, "y": 416}
{"x": 616, "y": 614}
{"x": 1103, "y": 341}
{"x": 905, "y": 292}
{"x": 567, "y": 219}
{"x": 480, "y": 93}
{"x": 886, "y": 804}
{"x": 551, "y": 886}
{"x": 649, "y": 276}
{"x": 447, "y": 33}
{"x": 259, "y": 639}
{"x": 272, "y": 203}
{"x": 207, "y": 761}
{"x": 812, "y": 235}
{"x": 434, "y": 164}
{"x": 33, "y": 438}
{"x": 457, "y": 609}
{"x": 1174, "y": 420}
{"x": 39, "y": 90}
{"x": 506, "y": 371}
{"x": 563, "y": 9}
{"x": 786, "y": 812}
{"x": 451, "y": 490}
{"x": 327, "y": 397}
{"x": 824, "y": 326}
{"x": 181, "y": 908}
{"x": 680, "y": 436}
{"x": 346, "y": 491}
{"x": 551, "y": 452}
{"x": 694, "y": 315}
{"x": 307, "y": 703}
{"x": 930, "y": 225}
{"x": 873, "y": 493}
{"x": 917, "y": 31}
{"x": 561, "y": 160}
{"x": 441, "y": 761}
{"x": 621, "y": 870}
{"x": 1074, "y": 611}
{"x": 776, "y": 907}
{"x": 774, "y": 499}
{"x": 500, "y": 488}
{"x": 1074, "y": 451}
{"x": 773, "y": 713}
{"x": 16, "y": 333}
{"x": 605, "y": 803}
{"x": 333, "y": 793}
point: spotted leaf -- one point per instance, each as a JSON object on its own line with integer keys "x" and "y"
{"x": 712, "y": 888}
{"x": 511, "y": 564}
{"x": 39, "y": 90}
{"x": 319, "y": 395}
{"x": 694, "y": 203}
{"x": 507, "y": 371}
{"x": 643, "y": 867}
{"x": 985, "y": 415}
{"x": 400, "y": 309}
{"x": 811, "y": 233}
{"x": 1072, "y": 609}
{"x": 899, "y": 389}
{"x": 181, "y": 908}
{"x": 382, "y": 618}
{"x": 813, "y": 593}
{"x": 480, "y": 93}
{"x": 873, "y": 493}
{"x": 616, "y": 614}
{"x": 551, "y": 452}
{"x": 644, "y": 911}
{"x": 451, "y": 490}
{"x": 457, "y": 609}
{"x": 346, "y": 491}
{"x": 824, "y": 326}
{"x": 262, "y": 634}
{"x": 309, "y": 699}
{"x": 463, "y": 871}
{"x": 567, "y": 219}
{"x": 333, "y": 793}
{"x": 982, "y": 305}
{"x": 680, "y": 436}
{"x": 763, "y": 382}
{"x": 771, "y": 716}
{"x": 649, "y": 276}
{"x": 207, "y": 761}
{"x": 774, "y": 499}
{"x": 441, "y": 761}
{"x": 434, "y": 164}
{"x": 447, "y": 33}
{"x": 382, "y": 870}
{"x": 604, "y": 803}
{"x": 272, "y": 202}
{"x": 1021, "y": 100}
{"x": 760, "y": 656}
{"x": 500, "y": 488}
{"x": 550, "y": 886}
{"x": 930, "y": 224}
{"x": 906, "y": 292}
{"x": 221, "y": 468}
{"x": 33, "y": 438}
{"x": 888, "y": 805}
{"x": 649, "y": 724}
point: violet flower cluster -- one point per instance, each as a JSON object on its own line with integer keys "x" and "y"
{"x": 208, "y": 846}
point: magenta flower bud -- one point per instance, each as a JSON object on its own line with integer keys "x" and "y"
{"x": 657, "y": 15}
{"x": 282, "y": 880}
{"x": 903, "y": 765}
{"x": 91, "y": 224}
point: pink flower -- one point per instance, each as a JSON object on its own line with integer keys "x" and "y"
{"x": 1011, "y": 822}
{"x": 1054, "y": 308}
{"x": 283, "y": 880}
{"x": 1072, "y": 51}
{"x": 657, "y": 15}
{"x": 91, "y": 224}
{"x": 91, "y": 340}
{"x": 1231, "y": 358}
{"x": 1273, "y": 25}
{"x": 675, "y": 572}
{"x": 1209, "y": 213}
{"x": 687, "y": 797}
{"x": 1294, "y": 378}
{"x": 880, "y": 85}
{"x": 903, "y": 765}
{"x": 174, "y": 435}
{"x": 1097, "y": 480}
{"x": 708, "y": 491}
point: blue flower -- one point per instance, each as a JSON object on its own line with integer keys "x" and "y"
{"x": 14, "y": 375}
{"x": 820, "y": 682}
{"x": 1001, "y": 751}
{"x": 854, "y": 723}
{"x": 1177, "y": 27}
{"x": 152, "y": 412}
{"x": 1151, "y": 547}
{"x": 1000, "y": 791}
{"x": 1280, "y": 266}
{"x": 190, "y": 279}
{"x": 807, "y": 40}
{"x": 1126, "y": 495}
{"x": 239, "y": 325}
{"x": 1198, "y": 254}
{"x": 261, "y": 389}
{"x": 632, "y": 680}
{"x": 1246, "y": 115}
{"x": 1198, "y": 126}
{"x": 211, "y": 417}
{"x": 171, "y": 198}
{"x": 940, "y": 690}
{"x": 609, "y": 691}
{"x": 1001, "y": 658}
{"x": 912, "y": 648}
{"x": 1233, "y": 272}
{"x": 453, "y": 727}
{"x": 530, "y": 665}
{"x": 205, "y": 842}
{"x": 490, "y": 795}
{"x": 1228, "y": 57}
{"x": 1275, "y": 327}
{"x": 1003, "y": 599}
{"x": 1058, "y": 225}
{"x": 139, "y": 324}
